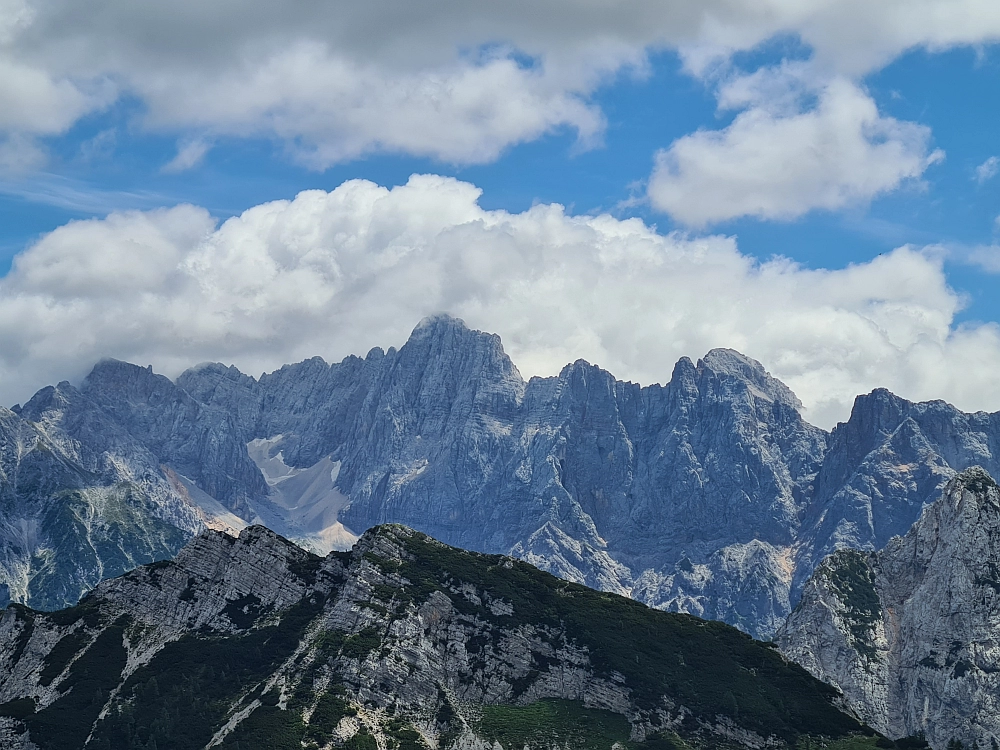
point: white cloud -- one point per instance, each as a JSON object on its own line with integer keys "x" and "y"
{"x": 785, "y": 155}
{"x": 20, "y": 154}
{"x": 336, "y": 273}
{"x": 987, "y": 170}
{"x": 330, "y": 109}
{"x": 987, "y": 257}
{"x": 190, "y": 154}
{"x": 335, "y": 80}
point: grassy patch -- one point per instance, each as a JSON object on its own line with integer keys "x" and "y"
{"x": 361, "y": 741}
{"x": 553, "y": 722}
{"x": 267, "y": 728}
{"x": 331, "y": 708}
{"x": 362, "y": 643}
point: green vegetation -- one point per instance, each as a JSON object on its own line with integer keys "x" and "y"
{"x": 331, "y": 708}
{"x": 307, "y": 567}
{"x": 709, "y": 667}
{"x": 245, "y": 611}
{"x": 361, "y": 741}
{"x": 65, "y": 724}
{"x": 553, "y": 722}
{"x": 182, "y": 696}
{"x": 267, "y": 728}
{"x": 19, "y": 708}
{"x": 190, "y": 688}
{"x": 362, "y": 643}
{"x": 87, "y": 610}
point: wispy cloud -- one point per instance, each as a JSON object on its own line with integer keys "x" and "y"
{"x": 986, "y": 257}
{"x": 79, "y": 196}
{"x": 189, "y": 155}
{"x": 987, "y": 170}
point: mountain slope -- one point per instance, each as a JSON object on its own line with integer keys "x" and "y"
{"x": 71, "y": 514}
{"x": 911, "y": 634}
{"x": 255, "y": 643}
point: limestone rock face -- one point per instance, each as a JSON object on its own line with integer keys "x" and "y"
{"x": 73, "y": 512}
{"x": 911, "y": 634}
{"x": 709, "y": 494}
{"x": 253, "y": 642}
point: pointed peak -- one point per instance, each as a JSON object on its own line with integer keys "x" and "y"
{"x": 443, "y": 341}
{"x": 440, "y": 324}
{"x": 974, "y": 479}
{"x": 729, "y": 363}
{"x": 722, "y": 359}
{"x": 208, "y": 367}
{"x": 446, "y": 329}
{"x": 684, "y": 371}
{"x": 110, "y": 369}
{"x": 443, "y": 326}
{"x": 879, "y": 410}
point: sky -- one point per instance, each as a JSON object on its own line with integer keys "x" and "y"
{"x": 815, "y": 183}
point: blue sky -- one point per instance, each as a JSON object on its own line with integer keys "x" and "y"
{"x": 830, "y": 136}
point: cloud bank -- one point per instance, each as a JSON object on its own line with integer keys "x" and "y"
{"x": 337, "y": 273}
{"x": 453, "y": 80}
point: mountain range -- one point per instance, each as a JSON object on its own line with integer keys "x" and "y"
{"x": 709, "y": 495}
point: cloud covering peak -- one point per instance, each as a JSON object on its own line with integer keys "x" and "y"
{"x": 336, "y": 273}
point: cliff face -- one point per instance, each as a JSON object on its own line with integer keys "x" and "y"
{"x": 708, "y": 495}
{"x": 73, "y": 512}
{"x": 255, "y": 643}
{"x": 910, "y": 633}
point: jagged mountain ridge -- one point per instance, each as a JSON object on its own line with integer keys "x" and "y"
{"x": 255, "y": 643}
{"x": 709, "y": 494}
{"x": 911, "y": 633}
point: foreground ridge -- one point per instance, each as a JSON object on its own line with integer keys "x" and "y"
{"x": 403, "y": 642}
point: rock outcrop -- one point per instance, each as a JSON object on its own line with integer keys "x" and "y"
{"x": 911, "y": 634}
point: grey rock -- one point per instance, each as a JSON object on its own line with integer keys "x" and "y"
{"x": 403, "y": 633}
{"x": 911, "y": 634}
{"x": 708, "y": 495}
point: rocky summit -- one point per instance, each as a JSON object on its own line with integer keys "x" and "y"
{"x": 911, "y": 634}
{"x": 709, "y": 494}
{"x": 401, "y": 644}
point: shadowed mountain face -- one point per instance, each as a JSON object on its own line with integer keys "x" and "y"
{"x": 707, "y": 495}
{"x": 403, "y": 643}
{"x": 910, "y": 633}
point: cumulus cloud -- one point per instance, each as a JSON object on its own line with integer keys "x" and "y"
{"x": 455, "y": 80}
{"x": 784, "y": 155}
{"x": 337, "y": 273}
